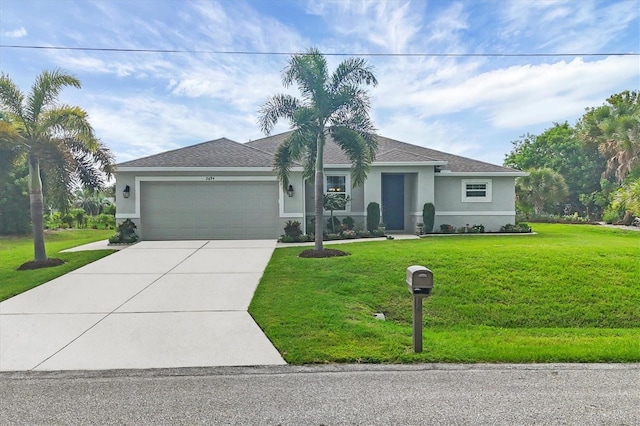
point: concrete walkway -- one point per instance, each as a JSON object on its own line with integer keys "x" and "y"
{"x": 154, "y": 305}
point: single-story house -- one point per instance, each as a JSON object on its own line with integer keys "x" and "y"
{"x": 223, "y": 189}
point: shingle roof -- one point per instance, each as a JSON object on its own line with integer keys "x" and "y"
{"x": 391, "y": 150}
{"x": 259, "y": 153}
{"x": 216, "y": 153}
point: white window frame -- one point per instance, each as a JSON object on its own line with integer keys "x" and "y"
{"x": 347, "y": 187}
{"x": 488, "y": 191}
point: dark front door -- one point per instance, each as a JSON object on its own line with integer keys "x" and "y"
{"x": 393, "y": 201}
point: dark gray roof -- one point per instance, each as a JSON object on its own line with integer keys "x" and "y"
{"x": 217, "y": 153}
{"x": 391, "y": 150}
{"x": 259, "y": 153}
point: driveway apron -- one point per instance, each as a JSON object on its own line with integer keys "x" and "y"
{"x": 157, "y": 304}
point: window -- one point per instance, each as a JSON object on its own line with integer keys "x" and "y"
{"x": 476, "y": 191}
{"x": 336, "y": 184}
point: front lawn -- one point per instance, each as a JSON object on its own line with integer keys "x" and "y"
{"x": 568, "y": 294}
{"x": 14, "y": 251}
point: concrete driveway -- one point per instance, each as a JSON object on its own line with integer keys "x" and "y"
{"x": 157, "y": 304}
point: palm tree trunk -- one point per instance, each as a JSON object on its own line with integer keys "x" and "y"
{"x": 319, "y": 192}
{"x": 36, "y": 206}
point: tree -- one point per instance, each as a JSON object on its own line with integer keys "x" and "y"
{"x": 541, "y": 188}
{"x": 92, "y": 202}
{"x": 627, "y": 197}
{"x": 615, "y": 129}
{"x": 57, "y": 138}
{"x": 559, "y": 149}
{"x": 333, "y": 201}
{"x": 334, "y": 106}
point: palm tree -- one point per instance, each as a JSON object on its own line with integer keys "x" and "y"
{"x": 615, "y": 129}
{"x": 541, "y": 187}
{"x": 57, "y": 138}
{"x": 334, "y": 106}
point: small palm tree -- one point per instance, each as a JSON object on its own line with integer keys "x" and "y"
{"x": 56, "y": 138}
{"x": 334, "y": 106}
{"x": 541, "y": 187}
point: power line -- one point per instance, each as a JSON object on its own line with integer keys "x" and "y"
{"x": 244, "y": 52}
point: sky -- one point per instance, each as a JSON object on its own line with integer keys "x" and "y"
{"x": 142, "y": 103}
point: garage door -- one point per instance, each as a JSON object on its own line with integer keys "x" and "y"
{"x": 209, "y": 210}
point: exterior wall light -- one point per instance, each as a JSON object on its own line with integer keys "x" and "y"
{"x": 126, "y": 192}
{"x": 290, "y": 191}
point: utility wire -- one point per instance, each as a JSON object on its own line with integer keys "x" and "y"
{"x": 243, "y": 52}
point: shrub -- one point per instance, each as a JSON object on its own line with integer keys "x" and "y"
{"x": 67, "y": 219}
{"x": 373, "y": 216}
{"x": 349, "y": 234}
{"x": 521, "y": 228}
{"x": 331, "y": 237}
{"x": 292, "y": 229}
{"x": 377, "y": 233}
{"x": 428, "y": 217}
{"x": 126, "y": 233}
{"x": 364, "y": 234}
{"x": 477, "y": 229}
{"x": 447, "y": 229}
{"x": 333, "y": 223}
{"x": 349, "y": 222}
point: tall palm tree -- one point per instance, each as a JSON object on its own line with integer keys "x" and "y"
{"x": 541, "y": 187}
{"x": 334, "y": 106}
{"x": 56, "y": 138}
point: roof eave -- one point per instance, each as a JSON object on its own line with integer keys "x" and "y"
{"x": 193, "y": 169}
{"x": 515, "y": 173}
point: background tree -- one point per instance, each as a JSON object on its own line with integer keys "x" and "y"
{"x": 615, "y": 129}
{"x": 57, "y": 137}
{"x": 333, "y": 106}
{"x": 558, "y": 148}
{"x": 541, "y": 189}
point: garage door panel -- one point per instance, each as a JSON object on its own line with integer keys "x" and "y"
{"x": 206, "y": 210}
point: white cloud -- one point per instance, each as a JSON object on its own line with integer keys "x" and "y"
{"x": 390, "y": 25}
{"x": 17, "y": 33}
{"x": 437, "y": 134}
{"x": 567, "y": 26}
{"x": 524, "y": 95}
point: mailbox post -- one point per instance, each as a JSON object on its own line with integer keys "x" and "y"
{"x": 420, "y": 284}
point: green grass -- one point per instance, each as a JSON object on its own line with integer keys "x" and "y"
{"x": 14, "y": 251}
{"x": 568, "y": 294}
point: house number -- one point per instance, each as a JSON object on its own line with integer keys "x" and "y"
{"x": 209, "y": 178}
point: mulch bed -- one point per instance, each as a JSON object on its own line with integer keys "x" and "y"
{"x": 311, "y": 253}
{"x": 40, "y": 264}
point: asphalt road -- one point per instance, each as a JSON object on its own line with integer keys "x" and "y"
{"x": 438, "y": 394}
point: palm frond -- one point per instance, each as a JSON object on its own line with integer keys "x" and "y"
{"x": 309, "y": 72}
{"x": 67, "y": 122}
{"x": 360, "y": 151}
{"x": 353, "y": 71}
{"x": 46, "y": 89}
{"x": 11, "y": 99}
{"x": 282, "y": 163}
{"x": 275, "y": 108}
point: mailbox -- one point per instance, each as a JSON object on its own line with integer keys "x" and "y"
{"x": 419, "y": 280}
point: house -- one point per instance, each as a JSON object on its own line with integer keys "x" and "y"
{"x": 223, "y": 189}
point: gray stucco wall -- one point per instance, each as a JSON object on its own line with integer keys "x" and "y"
{"x": 452, "y": 210}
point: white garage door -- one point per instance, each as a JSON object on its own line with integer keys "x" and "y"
{"x": 209, "y": 210}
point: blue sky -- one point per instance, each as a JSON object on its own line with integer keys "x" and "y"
{"x": 144, "y": 103}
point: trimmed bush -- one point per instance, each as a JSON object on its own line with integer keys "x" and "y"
{"x": 428, "y": 217}
{"x": 292, "y": 229}
{"x": 373, "y": 216}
